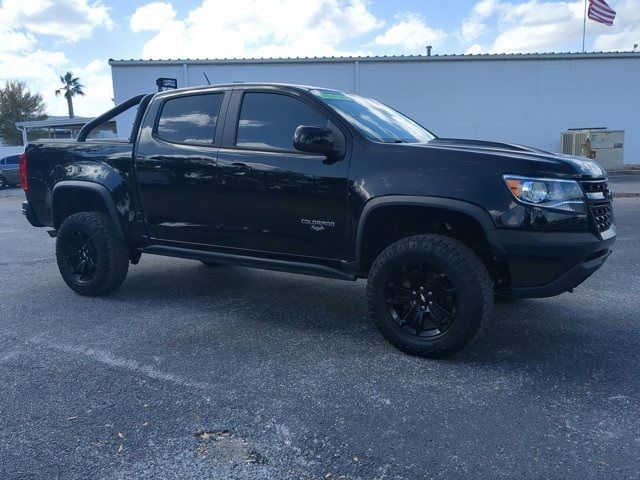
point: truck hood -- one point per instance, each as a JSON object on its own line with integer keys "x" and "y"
{"x": 582, "y": 166}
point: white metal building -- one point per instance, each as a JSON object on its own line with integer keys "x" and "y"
{"x": 522, "y": 98}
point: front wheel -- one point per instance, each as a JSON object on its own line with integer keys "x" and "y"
{"x": 3, "y": 182}
{"x": 92, "y": 259}
{"x": 429, "y": 295}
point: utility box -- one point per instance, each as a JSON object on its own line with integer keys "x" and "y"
{"x": 604, "y": 146}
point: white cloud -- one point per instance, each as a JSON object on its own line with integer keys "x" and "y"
{"x": 474, "y": 26}
{"x": 538, "y": 26}
{"x": 41, "y": 70}
{"x": 534, "y": 27}
{"x": 262, "y": 27}
{"x": 152, "y": 17}
{"x": 474, "y": 49}
{"x": 68, "y": 19}
{"x": 411, "y": 33}
{"x": 626, "y": 30}
{"x": 13, "y": 41}
{"x": 24, "y": 56}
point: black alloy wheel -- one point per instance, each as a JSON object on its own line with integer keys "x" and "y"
{"x": 81, "y": 256}
{"x": 421, "y": 299}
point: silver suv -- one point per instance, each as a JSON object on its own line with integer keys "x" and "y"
{"x": 9, "y": 167}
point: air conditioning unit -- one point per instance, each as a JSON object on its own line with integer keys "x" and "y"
{"x": 604, "y": 146}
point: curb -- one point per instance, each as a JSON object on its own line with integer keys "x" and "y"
{"x": 626, "y": 195}
{"x": 623, "y": 173}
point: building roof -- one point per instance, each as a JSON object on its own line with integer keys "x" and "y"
{"x": 55, "y": 121}
{"x": 384, "y": 58}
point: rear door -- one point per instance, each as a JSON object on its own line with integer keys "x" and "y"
{"x": 176, "y": 160}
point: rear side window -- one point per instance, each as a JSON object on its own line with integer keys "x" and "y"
{"x": 269, "y": 120}
{"x": 190, "y": 119}
{"x": 13, "y": 160}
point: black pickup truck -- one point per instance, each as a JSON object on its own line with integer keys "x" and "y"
{"x": 316, "y": 181}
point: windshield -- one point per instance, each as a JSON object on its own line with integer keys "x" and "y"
{"x": 375, "y": 120}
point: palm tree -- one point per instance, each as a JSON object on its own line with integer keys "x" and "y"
{"x": 72, "y": 87}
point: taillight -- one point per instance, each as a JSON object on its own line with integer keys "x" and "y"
{"x": 24, "y": 180}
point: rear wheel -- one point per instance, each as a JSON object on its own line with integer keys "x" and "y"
{"x": 429, "y": 295}
{"x": 91, "y": 258}
{"x": 3, "y": 182}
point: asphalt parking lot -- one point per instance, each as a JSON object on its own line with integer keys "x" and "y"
{"x": 193, "y": 372}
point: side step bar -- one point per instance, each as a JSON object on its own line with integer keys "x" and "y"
{"x": 251, "y": 262}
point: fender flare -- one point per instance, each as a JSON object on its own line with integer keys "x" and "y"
{"x": 476, "y": 212}
{"x": 98, "y": 188}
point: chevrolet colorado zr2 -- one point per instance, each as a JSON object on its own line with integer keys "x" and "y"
{"x": 320, "y": 182}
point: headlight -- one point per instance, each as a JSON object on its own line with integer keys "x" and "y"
{"x": 550, "y": 193}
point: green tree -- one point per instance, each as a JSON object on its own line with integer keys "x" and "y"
{"x": 17, "y": 104}
{"x": 71, "y": 88}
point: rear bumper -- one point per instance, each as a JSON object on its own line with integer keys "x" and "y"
{"x": 546, "y": 264}
{"x": 27, "y": 211}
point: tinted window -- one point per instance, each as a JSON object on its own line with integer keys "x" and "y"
{"x": 269, "y": 120}
{"x": 13, "y": 160}
{"x": 190, "y": 119}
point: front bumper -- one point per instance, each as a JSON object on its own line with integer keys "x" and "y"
{"x": 27, "y": 211}
{"x": 546, "y": 264}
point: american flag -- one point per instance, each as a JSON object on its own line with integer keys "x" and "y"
{"x": 601, "y": 12}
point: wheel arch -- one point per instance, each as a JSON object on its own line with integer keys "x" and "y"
{"x": 67, "y": 194}
{"x": 459, "y": 208}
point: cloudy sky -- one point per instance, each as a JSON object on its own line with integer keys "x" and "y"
{"x": 41, "y": 39}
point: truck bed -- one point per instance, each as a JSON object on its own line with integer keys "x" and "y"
{"x": 105, "y": 161}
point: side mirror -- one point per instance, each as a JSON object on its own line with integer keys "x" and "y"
{"x": 314, "y": 140}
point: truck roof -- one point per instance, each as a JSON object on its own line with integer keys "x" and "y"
{"x": 251, "y": 84}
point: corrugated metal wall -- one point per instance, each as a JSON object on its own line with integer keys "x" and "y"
{"x": 527, "y": 99}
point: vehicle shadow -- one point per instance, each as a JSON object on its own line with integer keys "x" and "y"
{"x": 566, "y": 334}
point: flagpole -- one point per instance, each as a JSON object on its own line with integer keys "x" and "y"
{"x": 584, "y": 25}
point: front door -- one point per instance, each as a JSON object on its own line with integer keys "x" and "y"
{"x": 273, "y": 198}
{"x": 176, "y": 167}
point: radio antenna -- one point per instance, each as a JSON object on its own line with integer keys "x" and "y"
{"x": 206, "y": 78}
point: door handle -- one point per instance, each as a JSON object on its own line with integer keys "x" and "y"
{"x": 240, "y": 168}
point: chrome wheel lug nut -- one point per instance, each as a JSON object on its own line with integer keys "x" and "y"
{"x": 430, "y": 303}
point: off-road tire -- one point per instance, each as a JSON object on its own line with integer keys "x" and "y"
{"x": 112, "y": 254}
{"x": 467, "y": 274}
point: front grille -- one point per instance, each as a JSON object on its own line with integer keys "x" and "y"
{"x": 599, "y": 201}
{"x": 599, "y": 186}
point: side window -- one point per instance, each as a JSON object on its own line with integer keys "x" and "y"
{"x": 190, "y": 119}
{"x": 14, "y": 160}
{"x": 269, "y": 120}
{"x": 2, "y": 162}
